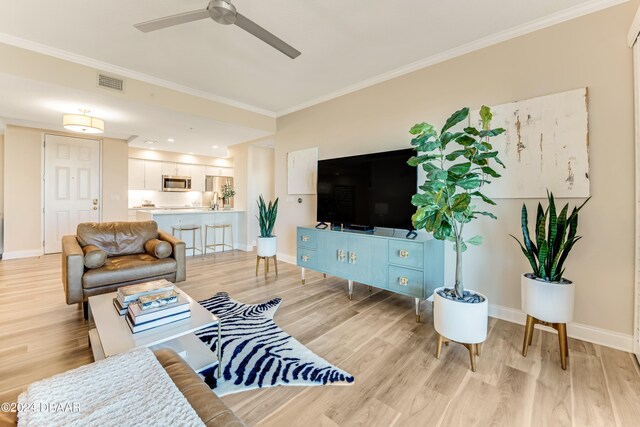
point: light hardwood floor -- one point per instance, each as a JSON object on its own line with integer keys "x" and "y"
{"x": 375, "y": 337}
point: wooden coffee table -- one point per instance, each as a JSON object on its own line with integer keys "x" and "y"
{"x": 110, "y": 334}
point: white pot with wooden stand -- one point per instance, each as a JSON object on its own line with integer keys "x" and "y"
{"x": 267, "y": 248}
{"x": 462, "y": 322}
{"x": 550, "y": 304}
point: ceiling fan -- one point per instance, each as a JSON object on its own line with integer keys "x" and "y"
{"x": 223, "y": 12}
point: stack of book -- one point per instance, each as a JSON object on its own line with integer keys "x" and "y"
{"x": 150, "y": 305}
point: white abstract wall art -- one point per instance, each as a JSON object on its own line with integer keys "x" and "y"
{"x": 302, "y": 171}
{"x": 545, "y": 146}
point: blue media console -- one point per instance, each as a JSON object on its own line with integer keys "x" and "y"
{"x": 408, "y": 267}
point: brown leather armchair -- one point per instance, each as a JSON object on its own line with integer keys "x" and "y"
{"x": 102, "y": 257}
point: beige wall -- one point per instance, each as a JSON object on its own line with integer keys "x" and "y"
{"x": 589, "y": 51}
{"x": 115, "y": 154}
{"x": 241, "y": 168}
{"x": 1, "y": 192}
{"x": 261, "y": 177}
{"x": 253, "y": 175}
{"x": 23, "y": 190}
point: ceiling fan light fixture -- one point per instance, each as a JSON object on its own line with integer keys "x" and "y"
{"x": 222, "y": 12}
{"x": 83, "y": 123}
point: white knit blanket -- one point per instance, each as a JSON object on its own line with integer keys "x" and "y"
{"x": 129, "y": 389}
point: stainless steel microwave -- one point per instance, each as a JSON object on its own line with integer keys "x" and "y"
{"x": 176, "y": 183}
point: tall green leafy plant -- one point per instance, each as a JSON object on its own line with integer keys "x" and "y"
{"x": 554, "y": 237}
{"x": 267, "y": 216}
{"x": 458, "y": 164}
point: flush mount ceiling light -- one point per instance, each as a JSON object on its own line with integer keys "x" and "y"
{"x": 82, "y": 123}
{"x": 170, "y": 140}
{"x": 214, "y": 146}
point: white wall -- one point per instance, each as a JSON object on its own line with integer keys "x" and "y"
{"x": 588, "y": 51}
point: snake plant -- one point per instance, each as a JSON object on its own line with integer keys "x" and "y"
{"x": 267, "y": 216}
{"x": 554, "y": 237}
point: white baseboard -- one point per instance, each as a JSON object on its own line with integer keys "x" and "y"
{"x": 290, "y": 259}
{"x": 22, "y": 254}
{"x": 579, "y": 331}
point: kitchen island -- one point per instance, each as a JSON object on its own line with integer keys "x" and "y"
{"x": 167, "y": 218}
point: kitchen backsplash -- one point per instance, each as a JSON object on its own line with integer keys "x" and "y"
{"x": 159, "y": 198}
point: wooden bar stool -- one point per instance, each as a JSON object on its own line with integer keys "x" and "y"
{"x": 193, "y": 228}
{"x": 266, "y": 264}
{"x": 224, "y": 245}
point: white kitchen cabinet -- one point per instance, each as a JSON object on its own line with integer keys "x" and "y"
{"x": 197, "y": 177}
{"x": 136, "y": 174}
{"x": 152, "y": 175}
{"x": 183, "y": 170}
{"x": 169, "y": 168}
{"x": 176, "y": 169}
{"x": 219, "y": 171}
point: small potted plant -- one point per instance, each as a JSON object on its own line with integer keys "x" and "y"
{"x": 547, "y": 297}
{"x": 267, "y": 220}
{"x": 227, "y": 193}
{"x": 458, "y": 164}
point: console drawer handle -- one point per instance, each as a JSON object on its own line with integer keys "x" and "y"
{"x": 404, "y": 253}
{"x": 341, "y": 255}
{"x": 352, "y": 258}
{"x": 404, "y": 281}
{"x": 305, "y": 238}
{"x": 305, "y": 258}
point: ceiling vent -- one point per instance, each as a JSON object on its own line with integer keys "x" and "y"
{"x": 109, "y": 82}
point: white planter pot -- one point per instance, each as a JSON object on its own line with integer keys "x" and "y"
{"x": 267, "y": 246}
{"x": 546, "y": 301}
{"x": 460, "y": 321}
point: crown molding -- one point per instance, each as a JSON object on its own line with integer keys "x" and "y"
{"x": 125, "y": 72}
{"x": 529, "y": 27}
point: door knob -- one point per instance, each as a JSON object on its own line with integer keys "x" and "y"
{"x": 95, "y": 201}
{"x": 95, "y": 208}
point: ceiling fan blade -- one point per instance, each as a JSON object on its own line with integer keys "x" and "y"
{"x": 264, "y": 35}
{"x": 170, "y": 21}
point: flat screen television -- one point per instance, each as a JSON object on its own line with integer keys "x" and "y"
{"x": 371, "y": 190}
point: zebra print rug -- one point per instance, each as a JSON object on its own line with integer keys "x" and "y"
{"x": 256, "y": 353}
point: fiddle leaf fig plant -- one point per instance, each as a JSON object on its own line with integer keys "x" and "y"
{"x": 458, "y": 164}
{"x": 554, "y": 237}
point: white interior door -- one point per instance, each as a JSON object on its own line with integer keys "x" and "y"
{"x": 71, "y": 187}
